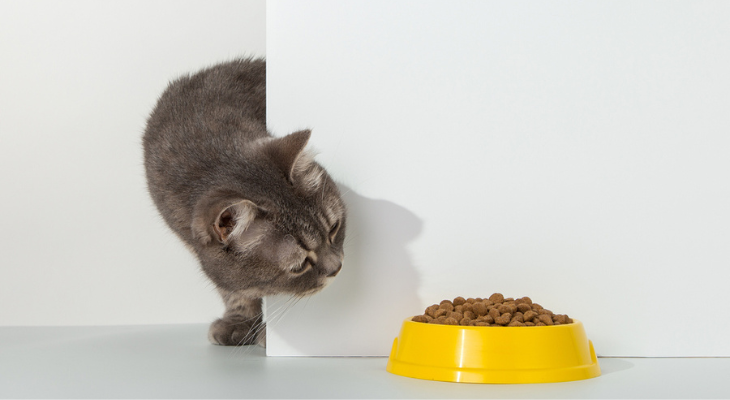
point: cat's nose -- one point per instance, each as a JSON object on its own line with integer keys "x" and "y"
{"x": 336, "y": 271}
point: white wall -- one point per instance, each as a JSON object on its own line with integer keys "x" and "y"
{"x": 81, "y": 243}
{"x": 576, "y": 152}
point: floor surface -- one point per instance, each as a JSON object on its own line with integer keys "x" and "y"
{"x": 176, "y": 361}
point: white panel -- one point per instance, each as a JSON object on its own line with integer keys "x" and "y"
{"x": 81, "y": 242}
{"x": 575, "y": 152}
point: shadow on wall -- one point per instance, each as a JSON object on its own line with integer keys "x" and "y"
{"x": 361, "y": 311}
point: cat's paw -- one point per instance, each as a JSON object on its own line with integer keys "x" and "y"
{"x": 237, "y": 332}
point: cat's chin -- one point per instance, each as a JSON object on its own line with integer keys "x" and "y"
{"x": 323, "y": 284}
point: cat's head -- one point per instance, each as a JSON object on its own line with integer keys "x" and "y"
{"x": 283, "y": 234}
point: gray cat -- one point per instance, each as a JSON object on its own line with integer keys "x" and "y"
{"x": 261, "y": 216}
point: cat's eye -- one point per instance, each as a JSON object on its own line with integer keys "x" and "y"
{"x": 333, "y": 231}
{"x": 305, "y": 266}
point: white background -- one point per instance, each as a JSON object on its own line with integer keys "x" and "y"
{"x": 575, "y": 152}
{"x": 81, "y": 242}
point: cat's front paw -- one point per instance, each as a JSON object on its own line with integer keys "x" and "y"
{"x": 237, "y": 332}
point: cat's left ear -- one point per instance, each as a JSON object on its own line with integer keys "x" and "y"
{"x": 286, "y": 151}
{"x": 222, "y": 219}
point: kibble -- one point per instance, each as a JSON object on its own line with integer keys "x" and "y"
{"x": 496, "y": 310}
{"x": 479, "y": 309}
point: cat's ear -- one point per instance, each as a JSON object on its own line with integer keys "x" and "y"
{"x": 234, "y": 220}
{"x": 285, "y": 151}
{"x": 222, "y": 220}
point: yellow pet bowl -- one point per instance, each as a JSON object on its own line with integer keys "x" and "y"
{"x": 485, "y": 354}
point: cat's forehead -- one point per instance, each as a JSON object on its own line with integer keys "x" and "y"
{"x": 314, "y": 183}
{"x": 312, "y": 223}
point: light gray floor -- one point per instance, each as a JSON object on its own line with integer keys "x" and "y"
{"x": 175, "y": 361}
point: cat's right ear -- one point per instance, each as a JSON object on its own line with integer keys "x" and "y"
{"x": 285, "y": 151}
{"x": 222, "y": 220}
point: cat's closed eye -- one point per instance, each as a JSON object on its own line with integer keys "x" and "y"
{"x": 333, "y": 232}
{"x": 302, "y": 268}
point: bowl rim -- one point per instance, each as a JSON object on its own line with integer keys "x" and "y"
{"x": 410, "y": 320}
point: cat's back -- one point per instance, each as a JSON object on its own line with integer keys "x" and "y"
{"x": 207, "y": 117}
{"x": 201, "y": 126}
{"x": 213, "y": 101}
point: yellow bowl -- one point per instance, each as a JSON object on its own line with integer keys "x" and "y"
{"x": 485, "y": 354}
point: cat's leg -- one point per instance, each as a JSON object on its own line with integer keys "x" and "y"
{"x": 242, "y": 323}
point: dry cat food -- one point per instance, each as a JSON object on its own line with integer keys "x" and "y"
{"x": 493, "y": 311}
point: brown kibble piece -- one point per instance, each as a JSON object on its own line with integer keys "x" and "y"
{"x": 545, "y": 319}
{"x": 459, "y": 301}
{"x": 562, "y": 319}
{"x": 528, "y": 316}
{"x": 440, "y": 312}
{"x": 543, "y": 311}
{"x": 451, "y": 321}
{"x": 446, "y": 305}
{"x": 469, "y": 315}
{"x": 504, "y": 319}
{"x": 536, "y": 306}
{"x": 420, "y": 318}
{"x": 430, "y": 311}
{"x": 471, "y": 300}
{"x": 459, "y": 308}
{"x": 516, "y": 323}
{"x": 540, "y": 324}
{"x": 456, "y": 315}
{"x": 528, "y": 323}
{"x": 517, "y": 317}
{"x": 494, "y": 312}
{"x": 504, "y": 308}
{"x": 479, "y": 308}
{"x": 523, "y": 307}
{"x": 496, "y": 298}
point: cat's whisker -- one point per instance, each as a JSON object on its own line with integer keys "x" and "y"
{"x": 277, "y": 313}
{"x": 305, "y": 302}
{"x": 252, "y": 333}
{"x": 290, "y": 303}
{"x": 256, "y": 329}
{"x": 281, "y": 316}
{"x": 350, "y": 238}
